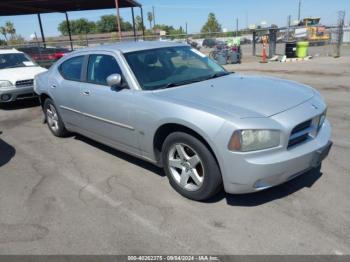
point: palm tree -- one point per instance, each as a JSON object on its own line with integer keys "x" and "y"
{"x": 138, "y": 23}
{"x": 150, "y": 19}
{"x": 10, "y": 29}
{"x": 3, "y": 32}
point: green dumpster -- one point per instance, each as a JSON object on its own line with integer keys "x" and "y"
{"x": 302, "y": 49}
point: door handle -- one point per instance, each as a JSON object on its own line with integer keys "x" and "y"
{"x": 53, "y": 86}
{"x": 86, "y": 93}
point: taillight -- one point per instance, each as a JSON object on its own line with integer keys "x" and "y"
{"x": 58, "y": 55}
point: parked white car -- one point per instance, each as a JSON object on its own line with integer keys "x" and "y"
{"x": 17, "y": 73}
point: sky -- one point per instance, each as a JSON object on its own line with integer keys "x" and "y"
{"x": 195, "y": 13}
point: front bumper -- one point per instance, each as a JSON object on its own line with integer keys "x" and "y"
{"x": 246, "y": 173}
{"x": 15, "y": 93}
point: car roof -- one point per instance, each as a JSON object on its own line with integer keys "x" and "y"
{"x": 126, "y": 47}
{"x": 10, "y": 51}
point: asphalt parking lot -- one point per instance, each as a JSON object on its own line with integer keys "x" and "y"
{"x": 75, "y": 196}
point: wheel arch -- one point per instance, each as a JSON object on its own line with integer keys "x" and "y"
{"x": 166, "y": 129}
{"x": 43, "y": 97}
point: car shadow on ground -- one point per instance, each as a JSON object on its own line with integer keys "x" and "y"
{"x": 20, "y": 104}
{"x": 259, "y": 198}
{"x": 7, "y": 152}
{"x": 131, "y": 159}
{"x": 249, "y": 200}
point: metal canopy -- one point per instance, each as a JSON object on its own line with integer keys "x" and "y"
{"x": 27, "y": 7}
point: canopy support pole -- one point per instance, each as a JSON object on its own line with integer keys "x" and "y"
{"x": 69, "y": 32}
{"x": 118, "y": 19}
{"x": 133, "y": 22}
{"x": 41, "y": 30}
{"x": 143, "y": 26}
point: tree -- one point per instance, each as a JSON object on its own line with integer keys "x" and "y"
{"x": 10, "y": 29}
{"x": 16, "y": 40}
{"x": 150, "y": 19}
{"x": 108, "y": 23}
{"x": 138, "y": 23}
{"x": 126, "y": 26}
{"x": 3, "y": 32}
{"x": 79, "y": 26}
{"x": 212, "y": 25}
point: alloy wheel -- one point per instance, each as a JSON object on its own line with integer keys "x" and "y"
{"x": 52, "y": 118}
{"x": 186, "y": 167}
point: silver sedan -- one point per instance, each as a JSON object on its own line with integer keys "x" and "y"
{"x": 170, "y": 105}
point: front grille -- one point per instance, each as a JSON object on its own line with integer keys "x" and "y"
{"x": 25, "y": 83}
{"x": 302, "y": 132}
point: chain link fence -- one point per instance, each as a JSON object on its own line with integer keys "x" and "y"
{"x": 330, "y": 41}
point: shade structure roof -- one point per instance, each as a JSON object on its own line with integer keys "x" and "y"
{"x": 26, "y": 7}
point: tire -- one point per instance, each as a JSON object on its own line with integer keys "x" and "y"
{"x": 53, "y": 119}
{"x": 194, "y": 172}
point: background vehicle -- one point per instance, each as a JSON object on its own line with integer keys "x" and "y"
{"x": 316, "y": 33}
{"x": 171, "y": 105}
{"x": 209, "y": 42}
{"x": 17, "y": 73}
{"x": 45, "y": 56}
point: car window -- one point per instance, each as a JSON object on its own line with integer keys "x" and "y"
{"x": 12, "y": 60}
{"x": 171, "y": 66}
{"x": 71, "y": 68}
{"x": 100, "y": 67}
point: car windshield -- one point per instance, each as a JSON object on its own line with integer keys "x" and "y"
{"x": 171, "y": 66}
{"x": 14, "y": 60}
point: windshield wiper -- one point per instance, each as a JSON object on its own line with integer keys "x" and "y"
{"x": 186, "y": 82}
{"x": 216, "y": 75}
{"x": 180, "y": 83}
{"x": 173, "y": 84}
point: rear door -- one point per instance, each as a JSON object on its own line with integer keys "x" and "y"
{"x": 66, "y": 88}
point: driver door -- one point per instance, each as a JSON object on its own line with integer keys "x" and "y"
{"x": 107, "y": 110}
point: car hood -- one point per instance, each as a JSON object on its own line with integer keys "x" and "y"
{"x": 241, "y": 96}
{"x": 20, "y": 73}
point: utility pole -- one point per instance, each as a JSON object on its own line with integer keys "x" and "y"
{"x": 299, "y": 11}
{"x": 154, "y": 18}
{"x": 246, "y": 19}
{"x": 288, "y": 26}
{"x": 186, "y": 34}
{"x": 236, "y": 27}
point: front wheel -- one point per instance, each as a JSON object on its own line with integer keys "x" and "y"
{"x": 190, "y": 167}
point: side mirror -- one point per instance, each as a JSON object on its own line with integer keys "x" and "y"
{"x": 114, "y": 80}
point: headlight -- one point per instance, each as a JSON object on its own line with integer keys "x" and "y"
{"x": 321, "y": 120}
{"x": 5, "y": 83}
{"x": 254, "y": 139}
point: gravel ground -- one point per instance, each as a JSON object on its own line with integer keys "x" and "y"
{"x": 75, "y": 196}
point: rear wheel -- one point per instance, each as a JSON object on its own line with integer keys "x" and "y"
{"x": 190, "y": 166}
{"x": 53, "y": 119}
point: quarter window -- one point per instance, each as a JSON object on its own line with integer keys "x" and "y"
{"x": 100, "y": 67}
{"x": 71, "y": 69}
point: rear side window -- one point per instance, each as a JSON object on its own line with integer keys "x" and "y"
{"x": 71, "y": 68}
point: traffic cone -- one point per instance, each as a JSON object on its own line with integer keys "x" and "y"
{"x": 264, "y": 54}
